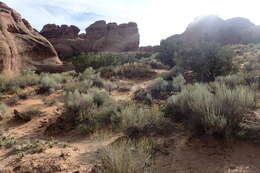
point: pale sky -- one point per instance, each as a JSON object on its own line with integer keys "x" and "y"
{"x": 156, "y": 19}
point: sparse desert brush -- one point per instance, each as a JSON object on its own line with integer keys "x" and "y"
{"x": 219, "y": 112}
{"x": 107, "y": 72}
{"x": 33, "y": 146}
{"x": 3, "y": 110}
{"x": 11, "y": 84}
{"x": 178, "y": 83}
{"x": 49, "y": 83}
{"x": 158, "y": 87}
{"x": 134, "y": 71}
{"x": 87, "y": 74}
{"x": 81, "y": 86}
{"x": 134, "y": 116}
{"x": 126, "y": 157}
{"x": 99, "y": 96}
{"x": 7, "y": 141}
{"x": 91, "y": 111}
{"x": 109, "y": 86}
{"x": 232, "y": 80}
{"x": 144, "y": 96}
{"x": 98, "y": 60}
{"x": 245, "y": 79}
{"x": 75, "y": 102}
{"x": 247, "y": 56}
{"x": 174, "y": 72}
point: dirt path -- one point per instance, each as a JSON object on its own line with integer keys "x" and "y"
{"x": 133, "y": 87}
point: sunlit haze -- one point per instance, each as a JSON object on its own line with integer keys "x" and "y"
{"x": 157, "y": 19}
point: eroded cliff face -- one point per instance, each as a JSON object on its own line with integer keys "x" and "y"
{"x": 99, "y": 36}
{"x": 20, "y": 45}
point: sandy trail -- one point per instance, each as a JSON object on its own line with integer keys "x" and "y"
{"x": 133, "y": 87}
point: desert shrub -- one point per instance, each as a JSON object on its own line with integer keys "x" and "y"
{"x": 126, "y": 157}
{"x": 178, "y": 83}
{"x": 99, "y": 97}
{"x": 88, "y": 73}
{"x": 98, "y": 60}
{"x": 50, "y": 83}
{"x": 219, "y": 112}
{"x": 158, "y": 87}
{"x": 172, "y": 73}
{"x": 81, "y": 86}
{"x": 75, "y": 102}
{"x": 208, "y": 60}
{"x": 134, "y": 116}
{"x": 91, "y": 111}
{"x": 169, "y": 50}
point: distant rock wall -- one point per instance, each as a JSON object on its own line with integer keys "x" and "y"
{"x": 212, "y": 28}
{"x": 20, "y": 45}
{"x": 99, "y": 36}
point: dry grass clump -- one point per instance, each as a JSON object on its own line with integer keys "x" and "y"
{"x": 218, "y": 110}
{"x": 135, "y": 116}
{"x": 127, "y": 157}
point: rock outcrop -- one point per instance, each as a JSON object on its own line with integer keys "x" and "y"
{"x": 20, "y": 45}
{"x": 99, "y": 36}
{"x": 212, "y": 28}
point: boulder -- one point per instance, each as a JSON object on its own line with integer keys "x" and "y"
{"x": 99, "y": 36}
{"x": 20, "y": 45}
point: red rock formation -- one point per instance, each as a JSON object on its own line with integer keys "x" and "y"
{"x": 63, "y": 31}
{"x": 20, "y": 45}
{"x": 99, "y": 36}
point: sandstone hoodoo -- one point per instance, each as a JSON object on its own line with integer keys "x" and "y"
{"x": 100, "y": 36}
{"x": 212, "y": 28}
{"x": 21, "y": 47}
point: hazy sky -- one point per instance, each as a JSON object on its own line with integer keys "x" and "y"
{"x": 157, "y": 19}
